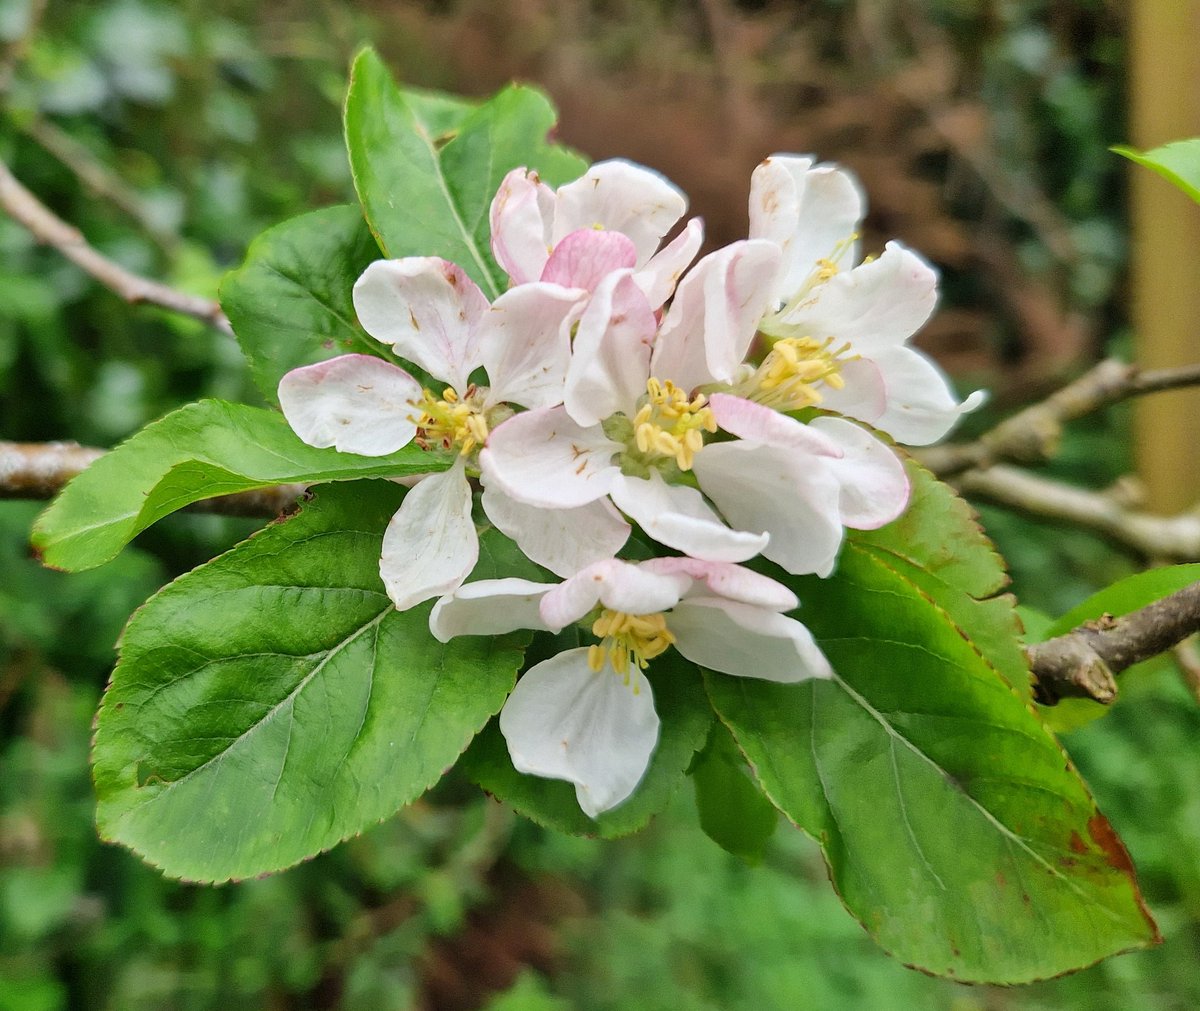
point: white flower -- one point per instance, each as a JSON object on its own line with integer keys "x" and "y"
{"x": 853, "y": 322}
{"x": 587, "y": 715}
{"x": 632, "y": 432}
{"x": 612, "y": 217}
{"x": 435, "y": 316}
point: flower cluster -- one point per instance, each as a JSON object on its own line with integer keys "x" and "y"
{"x": 621, "y": 384}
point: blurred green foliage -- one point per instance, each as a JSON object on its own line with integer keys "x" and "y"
{"x": 207, "y": 122}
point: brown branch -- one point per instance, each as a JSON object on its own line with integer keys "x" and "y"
{"x": 39, "y": 471}
{"x": 1164, "y": 538}
{"x": 51, "y": 230}
{"x": 1084, "y": 662}
{"x": 1032, "y": 435}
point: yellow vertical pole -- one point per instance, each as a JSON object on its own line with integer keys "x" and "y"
{"x": 1164, "y": 57}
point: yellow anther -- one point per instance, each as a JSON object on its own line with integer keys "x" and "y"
{"x": 671, "y": 425}
{"x": 789, "y": 377}
{"x": 628, "y": 639}
{"x": 451, "y": 421}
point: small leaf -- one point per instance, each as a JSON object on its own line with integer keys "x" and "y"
{"x": 426, "y": 179}
{"x": 733, "y": 811}
{"x": 954, "y": 826}
{"x": 290, "y": 302}
{"x": 686, "y": 717}
{"x": 1177, "y": 162}
{"x": 1127, "y": 595}
{"x": 200, "y": 451}
{"x": 272, "y": 703}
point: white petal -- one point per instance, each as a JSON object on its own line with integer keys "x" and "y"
{"x": 619, "y": 586}
{"x": 921, "y": 408}
{"x": 355, "y": 403}
{"x": 664, "y": 269}
{"x": 746, "y": 641}
{"x": 622, "y": 197}
{"x": 792, "y": 496}
{"x": 585, "y": 257}
{"x": 808, "y": 211}
{"x": 874, "y": 485}
{"x": 876, "y": 305}
{"x": 525, "y": 344}
{"x": 863, "y": 396}
{"x": 430, "y": 545}
{"x": 428, "y": 309}
{"x": 611, "y": 356}
{"x": 520, "y": 216}
{"x": 488, "y": 607}
{"x": 710, "y": 324}
{"x": 733, "y": 582}
{"x": 566, "y": 721}
{"x": 562, "y": 540}
{"x": 677, "y": 516}
{"x": 543, "y": 458}
{"x": 762, "y": 425}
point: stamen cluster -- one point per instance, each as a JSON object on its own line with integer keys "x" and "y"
{"x": 670, "y": 424}
{"x": 628, "y": 639}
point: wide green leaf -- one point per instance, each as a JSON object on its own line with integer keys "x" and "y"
{"x": 290, "y": 302}
{"x": 426, "y": 173}
{"x": 686, "y": 718}
{"x": 273, "y": 702}
{"x": 733, "y": 812}
{"x": 200, "y": 451}
{"x": 954, "y": 826}
{"x": 1177, "y": 162}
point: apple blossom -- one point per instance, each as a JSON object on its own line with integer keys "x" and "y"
{"x": 848, "y": 326}
{"x": 587, "y": 715}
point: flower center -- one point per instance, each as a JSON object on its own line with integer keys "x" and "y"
{"x": 788, "y": 378}
{"x": 671, "y": 425}
{"x": 628, "y": 639}
{"x": 451, "y": 421}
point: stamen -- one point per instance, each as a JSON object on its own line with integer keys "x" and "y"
{"x": 450, "y": 421}
{"x": 789, "y": 377}
{"x": 628, "y": 640}
{"x": 670, "y": 425}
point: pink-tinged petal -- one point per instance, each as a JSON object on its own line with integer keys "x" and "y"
{"x": 765, "y": 426}
{"x": 791, "y": 496}
{"x": 874, "y": 484}
{"x": 746, "y": 641}
{"x": 619, "y": 586}
{"x": 430, "y": 545}
{"x": 812, "y": 213}
{"x": 567, "y": 721}
{"x": 543, "y": 458}
{"x": 715, "y": 314}
{"x": 875, "y": 306}
{"x": 621, "y": 197}
{"x": 663, "y": 270}
{"x": 562, "y": 540}
{"x": 921, "y": 408}
{"x": 525, "y": 344}
{"x": 354, "y": 403}
{"x": 488, "y": 607}
{"x": 521, "y": 216}
{"x": 611, "y": 357}
{"x": 678, "y": 516}
{"x": 428, "y": 309}
{"x": 863, "y": 396}
{"x": 586, "y": 257}
{"x": 733, "y": 582}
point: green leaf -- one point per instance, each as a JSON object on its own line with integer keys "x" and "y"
{"x": 686, "y": 717}
{"x": 273, "y": 702}
{"x": 1177, "y": 162}
{"x": 290, "y": 302}
{"x": 197, "y": 452}
{"x": 733, "y": 812}
{"x": 426, "y": 179}
{"x": 1126, "y": 595}
{"x": 954, "y": 826}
